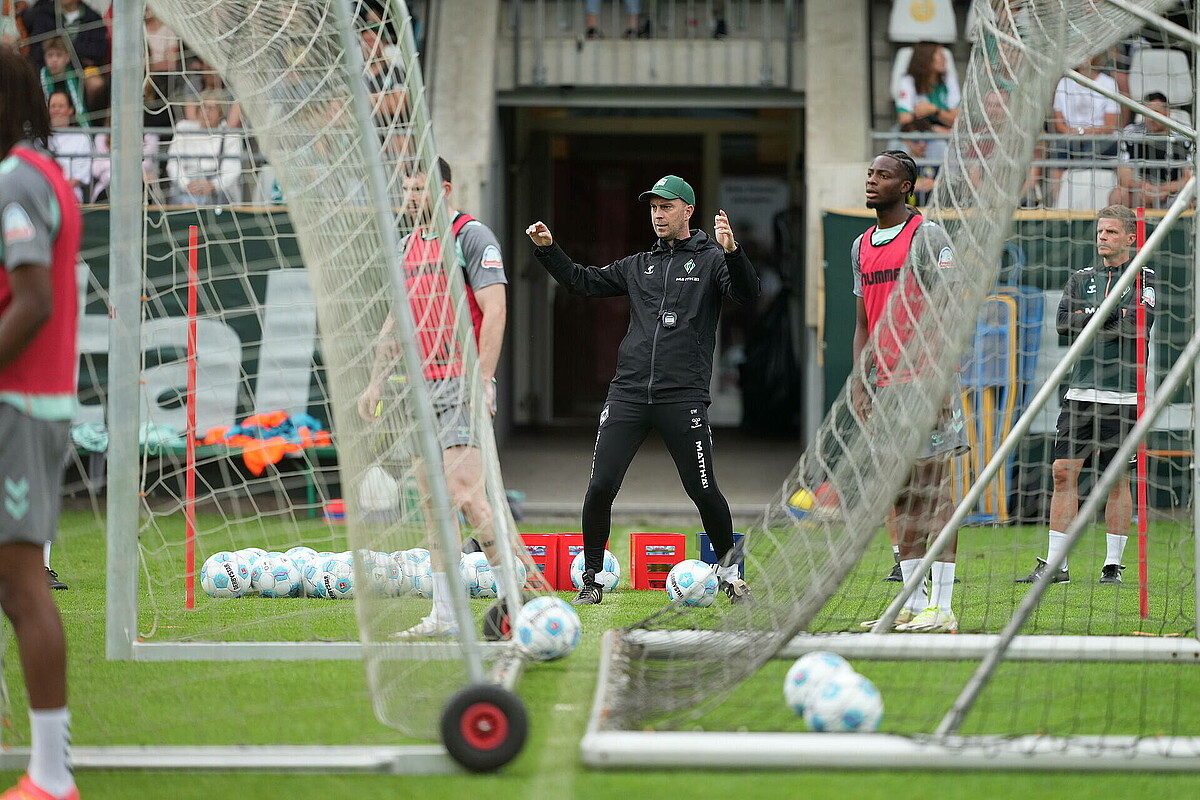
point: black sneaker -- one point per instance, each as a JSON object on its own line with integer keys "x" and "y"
{"x": 591, "y": 594}
{"x": 58, "y": 585}
{"x": 895, "y": 576}
{"x": 496, "y": 624}
{"x": 737, "y": 591}
{"x": 1063, "y": 575}
{"x": 1111, "y": 573}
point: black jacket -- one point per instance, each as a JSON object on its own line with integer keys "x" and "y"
{"x": 657, "y": 363}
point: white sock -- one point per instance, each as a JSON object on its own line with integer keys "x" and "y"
{"x": 46, "y": 554}
{"x": 49, "y": 755}
{"x": 918, "y": 601}
{"x": 896, "y": 552}
{"x": 1116, "y": 548}
{"x": 943, "y": 585}
{"x": 728, "y": 574}
{"x": 443, "y": 607}
{"x": 1058, "y": 543}
{"x": 501, "y": 587}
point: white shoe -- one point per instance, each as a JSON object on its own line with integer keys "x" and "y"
{"x": 428, "y": 628}
{"x": 903, "y": 618}
{"x": 931, "y": 620}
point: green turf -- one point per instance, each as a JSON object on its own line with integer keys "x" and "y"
{"x": 325, "y": 702}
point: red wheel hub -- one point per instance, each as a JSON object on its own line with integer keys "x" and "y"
{"x": 484, "y": 726}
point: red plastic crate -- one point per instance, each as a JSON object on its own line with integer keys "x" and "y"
{"x": 651, "y": 556}
{"x": 543, "y": 551}
{"x": 569, "y": 546}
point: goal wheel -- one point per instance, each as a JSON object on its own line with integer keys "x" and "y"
{"x": 484, "y": 727}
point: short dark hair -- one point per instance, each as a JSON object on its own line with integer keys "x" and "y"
{"x": 1153, "y": 96}
{"x": 23, "y": 113}
{"x": 906, "y": 162}
{"x": 1123, "y": 213}
{"x": 444, "y": 168}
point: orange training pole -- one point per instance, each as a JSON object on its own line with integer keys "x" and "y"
{"x": 189, "y": 506}
{"x": 1140, "y": 481}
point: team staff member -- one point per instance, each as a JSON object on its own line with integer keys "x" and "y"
{"x": 664, "y": 364}
{"x": 1101, "y": 403}
{"x": 902, "y": 238}
{"x": 39, "y": 247}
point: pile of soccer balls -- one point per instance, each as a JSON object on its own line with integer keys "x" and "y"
{"x": 303, "y": 572}
{"x": 831, "y": 696}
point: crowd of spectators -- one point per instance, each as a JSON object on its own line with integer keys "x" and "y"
{"x": 1084, "y": 129}
{"x": 197, "y": 149}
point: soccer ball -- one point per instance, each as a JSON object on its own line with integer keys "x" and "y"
{"x": 846, "y": 702}
{"x": 300, "y": 555}
{"x": 807, "y": 674}
{"x": 693, "y": 582}
{"x": 387, "y": 579}
{"x": 336, "y": 578}
{"x": 225, "y": 574}
{"x": 418, "y": 570}
{"x": 378, "y": 491}
{"x": 275, "y": 575}
{"x": 477, "y": 575}
{"x": 546, "y": 628}
{"x": 818, "y": 506}
{"x": 608, "y": 576}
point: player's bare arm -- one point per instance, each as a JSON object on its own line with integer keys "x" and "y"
{"x": 387, "y": 350}
{"x": 493, "y": 303}
{"x": 31, "y": 306}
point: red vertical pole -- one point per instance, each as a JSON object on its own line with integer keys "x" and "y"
{"x": 1140, "y": 481}
{"x": 189, "y": 506}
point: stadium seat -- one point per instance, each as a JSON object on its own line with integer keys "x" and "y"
{"x": 1156, "y": 69}
{"x": 931, "y": 21}
{"x": 904, "y": 57}
{"x": 1083, "y": 189}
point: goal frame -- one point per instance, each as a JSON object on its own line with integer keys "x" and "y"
{"x": 605, "y": 747}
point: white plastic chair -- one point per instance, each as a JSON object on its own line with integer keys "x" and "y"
{"x": 1084, "y": 189}
{"x": 1157, "y": 69}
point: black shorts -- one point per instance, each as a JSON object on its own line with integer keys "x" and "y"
{"x": 1086, "y": 428}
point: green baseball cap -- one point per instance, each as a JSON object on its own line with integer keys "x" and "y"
{"x": 671, "y": 187}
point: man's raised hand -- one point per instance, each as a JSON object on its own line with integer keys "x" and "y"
{"x": 723, "y": 232}
{"x": 540, "y": 234}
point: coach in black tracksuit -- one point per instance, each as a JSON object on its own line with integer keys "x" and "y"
{"x": 664, "y": 364}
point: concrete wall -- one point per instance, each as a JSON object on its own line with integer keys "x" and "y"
{"x": 462, "y": 92}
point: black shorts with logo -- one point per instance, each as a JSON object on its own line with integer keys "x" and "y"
{"x": 1086, "y": 428}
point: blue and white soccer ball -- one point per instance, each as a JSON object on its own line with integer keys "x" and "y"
{"x": 275, "y": 575}
{"x": 225, "y": 574}
{"x": 301, "y": 556}
{"x": 546, "y": 628}
{"x": 310, "y": 578}
{"x": 336, "y": 578}
{"x": 384, "y": 573}
{"x": 846, "y": 702}
{"x": 608, "y": 576}
{"x": 477, "y": 575}
{"x": 807, "y": 674}
{"x": 418, "y": 571}
{"x": 693, "y": 582}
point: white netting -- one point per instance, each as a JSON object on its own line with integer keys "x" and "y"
{"x": 807, "y": 565}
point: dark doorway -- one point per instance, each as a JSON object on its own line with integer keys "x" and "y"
{"x": 598, "y": 219}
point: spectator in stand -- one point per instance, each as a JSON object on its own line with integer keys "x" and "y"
{"x": 1154, "y": 161}
{"x": 84, "y": 29}
{"x": 10, "y": 31}
{"x": 162, "y": 49}
{"x": 633, "y": 27}
{"x": 72, "y": 148}
{"x": 1084, "y": 115}
{"x": 927, "y": 99}
{"x": 204, "y": 161}
{"x": 199, "y": 79}
{"x": 151, "y": 163}
{"x": 385, "y": 79}
{"x": 59, "y": 76}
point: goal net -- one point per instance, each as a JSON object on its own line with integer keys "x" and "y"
{"x": 972, "y": 333}
{"x": 302, "y": 184}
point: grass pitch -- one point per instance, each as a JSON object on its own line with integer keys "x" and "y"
{"x": 325, "y": 702}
